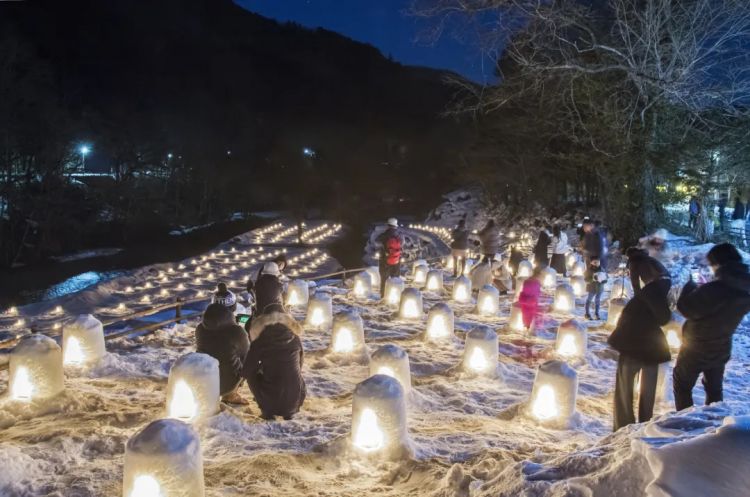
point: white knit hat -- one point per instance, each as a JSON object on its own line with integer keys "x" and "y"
{"x": 393, "y": 222}
{"x": 271, "y": 268}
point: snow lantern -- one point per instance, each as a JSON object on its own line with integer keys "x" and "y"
{"x": 480, "y": 352}
{"x": 578, "y": 269}
{"x": 392, "y": 360}
{"x": 193, "y": 387}
{"x": 462, "y": 290}
{"x": 622, "y": 288}
{"x": 615, "y": 309}
{"x": 35, "y": 369}
{"x": 572, "y": 340}
{"x": 448, "y": 263}
{"x": 348, "y": 334}
{"x": 673, "y": 331}
{"x": 415, "y": 265}
{"x": 570, "y": 261}
{"x": 515, "y": 321}
{"x": 374, "y": 273}
{"x": 579, "y": 286}
{"x": 434, "y": 281}
{"x": 411, "y": 304}
{"x": 549, "y": 277}
{"x": 297, "y": 293}
{"x": 468, "y": 265}
{"x": 83, "y": 341}
{"x": 379, "y": 418}
{"x": 319, "y": 311}
{"x": 488, "y": 301}
{"x": 362, "y": 285}
{"x": 553, "y": 397}
{"x": 420, "y": 274}
{"x": 163, "y": 460}
{"x": 525, "y": 269}
{"x": 565, "y": 298}
{"x": 393, "y": 289}
{"x": 440, "y": 321}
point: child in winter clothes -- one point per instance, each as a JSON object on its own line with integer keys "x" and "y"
{"x": 595, "y": 280}
{"x": 529, "y": 297}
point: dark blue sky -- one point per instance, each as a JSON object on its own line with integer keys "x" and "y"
{"x": 384, "y": 24}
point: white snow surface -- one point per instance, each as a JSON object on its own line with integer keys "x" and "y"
{"x": 471, "y": 435}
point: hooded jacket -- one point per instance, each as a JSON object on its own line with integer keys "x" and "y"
{"x": 713, "y": 311}
{"x": 645, "y": 268}
{"x": 225, "y": 341}
{"x": 273, "y": 367}
{"x": 268, "y": 290}
{"x": 638, "y": 333}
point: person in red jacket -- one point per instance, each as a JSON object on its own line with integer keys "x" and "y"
{"x": 391, "y": 244}
{"x": 529, "y": 298}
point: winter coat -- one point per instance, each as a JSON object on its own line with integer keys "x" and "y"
{"x": 638, "y": 334}
{"x": 592, "y": 243}
{"x": 541, "y": 248}
{"x": 645, "y": 268}
{"x": 382, "y": 241}
{"x": 739, "y": 211}
{"x": 592, "y": 284}
{"x": 529, "y": 300}
{"x": 490, "y": 239}
{"x": 460, "y": 239}
{"x": 227, "y": 342}
{"x": 268, "y": 290}
{"x": 560, "y": 244}
{"x": 713, "y": 312}
{"x": 273, "y": 367}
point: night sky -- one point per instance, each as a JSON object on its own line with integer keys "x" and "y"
{"x": 384, "y": 24}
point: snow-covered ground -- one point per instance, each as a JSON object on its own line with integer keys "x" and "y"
{"x": 471, "y": 436}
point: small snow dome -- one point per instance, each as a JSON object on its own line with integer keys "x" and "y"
{"x": 549, "y": 277}
{"x": 480, "y": 352}
{"x": 36, "y": 369}
{"x": 515, "y": 321}
{"x": 615, "y": 309}
{"x": 420, "y": 274}
{"x": 488, "y": 301}
{"x": 392, "y": 360}
{"x": 468, "y": 266}
{"x": 379, "y": 419}
{"x": 553, "y": 397}
{"x": 297, "y": 293}
{"x": 570, "y": 261}
{"x": 362, "y": 285}
{"x": 319, "y": 312}
{"x": 193, "y": 387}
{"x": 83, "y": 341}
{"x": 434, "y": 281}
{"x": 579, "y": 268}
{"x": 411, "y": 304}
{"x": 579, "y": 286}
{"x": 565, "y": 298}
{"x": 525, "y": 269}
{"x": 348, "y": 334}
{"x": 374, "y": 273}
{"x": 393, "y": 289}
{"x": 572, "y": 340}
{"x": 163, "y": 460}
{"x": 440, "y": 323}
{"x": 462, "y": 290}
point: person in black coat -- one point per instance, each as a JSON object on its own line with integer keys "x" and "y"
{"x": 541, "y": 248}
{"x": 643, "y": 268}
{"x": 269, "y": 291}
{"x": 713, "y": 312}
{"x": 592, "y": 243}
{"x": 459, "y": 248}
{"x": 273, "y": 367}
{"x": 642, "y": 345}
{"x": 220, "y": 337}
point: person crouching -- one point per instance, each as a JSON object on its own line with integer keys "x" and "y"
{"x": 273, "y": 367}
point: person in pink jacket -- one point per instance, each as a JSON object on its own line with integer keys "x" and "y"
{"x": 529, "y": 298}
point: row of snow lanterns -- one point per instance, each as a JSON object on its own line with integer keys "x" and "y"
{"x": 442, "y": 232}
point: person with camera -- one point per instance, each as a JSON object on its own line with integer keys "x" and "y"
{"x": 595, "y": 279}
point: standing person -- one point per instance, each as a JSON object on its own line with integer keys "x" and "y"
{"x": 459, "y": 248}
{"x": 228, "y": 299}
{"x": 273, "y": 367}
{"x": 490, "y": 239}
{"x": 591, "y": 243}
{"x": 516, "y": 256}
{"x": 529, "y": 297}
{"x": 595, "y": 281}
{"x": 738, "y": 220}
{"x": 281, "y": 263}
{"x": 722, "y": 208}
{"x": 220, "y": 337}
{"x": 269, "y": 290}
{"x": 601, "y": 232}
{"x": 713, "y": 312}
{"x": 391, "y": 243}
{"x": 694, "y": 210}
{"x": 642, "y": 346}
{"x": 541, "y": 249}
{"x": 643, "y": 267}
{"x": 560, "y": 249}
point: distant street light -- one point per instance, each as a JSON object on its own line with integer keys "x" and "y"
{"x": 169, "y": 156}
{"x": 84, "y": 151}
{"x": 308, "y": 152}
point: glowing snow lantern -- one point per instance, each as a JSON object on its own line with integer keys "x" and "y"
{"x": 673, "y": 331}
{"x": 525, "y": 269}
{"x": 163, "y": 460}
{"x": 570, "y": 261}
{"x": 549, "y": 277}
{"x": 579, "y": 286}
{"x": 319, "y": 311}
{"x": 622, "y": 288}
{"x": 83, "y": 341}
{"x": 379, "y": 418}
{"x": 578, "y": 269}
{"x": 416, "y": 265}
{"x": 392, "y": 360}
{"x": 468, "y": 265}
{"x": 420, "y": 275}
{"x": 488, "y": 301}
{"x": 565, "y": 299}
{"x": 572, "y": 340}
{"x": 410, "y": 306}
{"x": 36, "y": 369}
{"x": 440, "y": 321}
{"x": 374, "y": 274}
{"x": 480, "y": 352}
{"x": 515, "y": 321}
{"x": 348, "y": 334}
{"x": 448, "y": 263}
{"x": 297, "y": 293}
{"x": 615, "y": 309}
{"x": 462, "y": 290}
{"x": 393, "y": 289}
{"x": 362, "y": 285}
{"x": 193, "y": 387}
{"x": 434, "y": 281}
{"x": 553, "y": 397}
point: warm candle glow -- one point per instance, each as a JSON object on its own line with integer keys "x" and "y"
{"x": 545, "y": 404}
{"x": 567, "y": 347}
{"x": 410, "y": 309}
{"x": 73, "y": 351}
{"x": 22, "y": 387}
{"x": 317, "y": 318}
{"x": 673, "y": 339}
{"x": 368, "y": 436}
{"x": 146, "y": 486}
{"x": 183, "y": 405}
{"x": 477, "y": 360}
{"x": 437, "y": 327}
{"x": 387, "y": 371}
{"x": 344, "y": 341}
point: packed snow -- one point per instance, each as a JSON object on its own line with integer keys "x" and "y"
{"x": 466, "y": 434}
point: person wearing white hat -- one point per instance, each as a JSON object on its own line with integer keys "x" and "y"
{"x": 269, "y": 289}
{"x": 391, "y": 243}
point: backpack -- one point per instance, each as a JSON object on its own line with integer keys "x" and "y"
{"x": 393, "y": 250}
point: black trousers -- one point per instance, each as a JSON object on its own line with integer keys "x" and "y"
{"x": 627, "y": 370}
{"x": 684, "y": 376}
{"x": 387, "y": 271}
